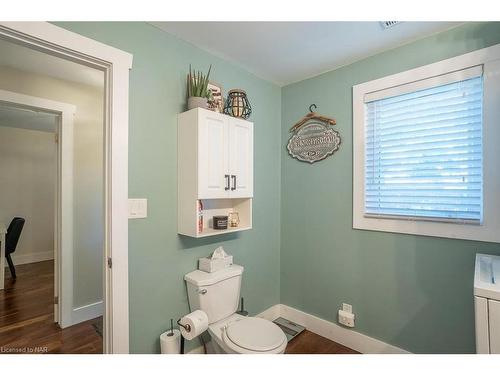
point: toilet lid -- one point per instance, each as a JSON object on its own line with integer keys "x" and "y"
{"x": 255, "y": 334}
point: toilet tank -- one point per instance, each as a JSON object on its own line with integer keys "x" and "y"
{"x": 216, "y": 293}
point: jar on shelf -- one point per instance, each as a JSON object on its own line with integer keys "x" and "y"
{"x": 234, "y": 219}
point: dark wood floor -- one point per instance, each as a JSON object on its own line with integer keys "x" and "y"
{"x": 27, "y": 316}
{"x": 311, "y": 343}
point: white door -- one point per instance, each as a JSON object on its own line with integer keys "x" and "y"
{"x": 494, "y": 324}
{"x": 213, "y": 148}
{"x": 241, "y": 158}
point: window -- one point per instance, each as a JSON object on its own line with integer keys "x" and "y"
{"x": 424, "y": 145}
{"x": 423, "y": 153}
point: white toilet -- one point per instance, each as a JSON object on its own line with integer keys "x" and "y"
{"x": 218, "y": 294}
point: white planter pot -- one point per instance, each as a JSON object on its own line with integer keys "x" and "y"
{"x": 197, "y": 102}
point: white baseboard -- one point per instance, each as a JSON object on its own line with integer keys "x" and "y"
{"x": 87, "y": 312}
{"x": 345, "y": 336}
{"x": 32, "y": 257}
{"x": 271, "y": 313}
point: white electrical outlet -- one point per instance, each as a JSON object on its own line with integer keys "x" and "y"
{"x": 346, "y": 318}
{"x": 346, "y": 307}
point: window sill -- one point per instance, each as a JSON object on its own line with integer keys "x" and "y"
{"x": 455, "y": 230}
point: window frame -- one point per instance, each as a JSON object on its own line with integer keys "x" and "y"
{"x": 489, "y": 229}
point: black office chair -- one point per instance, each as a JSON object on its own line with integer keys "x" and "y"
{"x": 11, "y": 240}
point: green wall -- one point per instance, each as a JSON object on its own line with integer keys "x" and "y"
{"x": 158, "y": 257}
{"x": 410, "y": 291}
{"x": 413, "y": 292}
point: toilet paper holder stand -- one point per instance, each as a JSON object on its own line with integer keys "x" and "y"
{"x": 187, "y": 327}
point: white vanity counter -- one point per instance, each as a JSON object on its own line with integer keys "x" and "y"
{"x": 487, "y": 303}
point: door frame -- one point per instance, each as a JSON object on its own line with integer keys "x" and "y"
{"x": 63, "y": 223}
{"x": 115, "y": 64}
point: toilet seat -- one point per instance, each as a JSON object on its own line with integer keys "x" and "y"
{"x": 254, "y": 335}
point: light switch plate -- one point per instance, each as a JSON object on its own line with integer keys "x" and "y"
{"x": 137, "y": 208}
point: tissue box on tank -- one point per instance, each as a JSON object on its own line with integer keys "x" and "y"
{"x": 208, "y": 264}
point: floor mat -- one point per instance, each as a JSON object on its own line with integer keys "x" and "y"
{"x": 290, "y": 329}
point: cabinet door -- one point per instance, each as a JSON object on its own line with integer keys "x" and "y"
{"x": 241, "y": 158}
{"x": 494, "y": 324}
{"x": 482, "y": 329}
{"x": 213, "y": 166}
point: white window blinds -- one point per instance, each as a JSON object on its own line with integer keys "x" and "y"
{"x": 423, "y": 149}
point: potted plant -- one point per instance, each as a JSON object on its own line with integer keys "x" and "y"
{"x": 197, "y": 89}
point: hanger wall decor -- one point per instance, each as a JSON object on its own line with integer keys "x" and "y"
{"x": 313, "y": 138}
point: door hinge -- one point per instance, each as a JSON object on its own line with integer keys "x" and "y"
{"x": 56, "y": 300}
{"x": 56, "y": 137}
{"x": 110, "y": 262}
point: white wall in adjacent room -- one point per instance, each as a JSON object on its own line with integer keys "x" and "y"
{"x": 28, "y": 173}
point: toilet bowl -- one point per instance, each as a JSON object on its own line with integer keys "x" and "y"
{"x": 247, "y": 335}
{"x": 217, "y": 294}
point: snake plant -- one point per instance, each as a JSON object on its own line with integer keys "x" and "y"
{"x": 198, "y": 84}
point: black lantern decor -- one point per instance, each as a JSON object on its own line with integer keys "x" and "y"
{"x": 237, "y": 104}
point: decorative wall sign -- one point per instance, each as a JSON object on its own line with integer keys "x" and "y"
{"x": 313, "y": 138}
{"x": 216, "y": 102}
{"x": 313, "y": 142}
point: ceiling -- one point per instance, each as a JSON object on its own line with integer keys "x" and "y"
{"x": 27, "y": 119}
{"x": 287, "y": 52}
{"x": 29, "y": 60}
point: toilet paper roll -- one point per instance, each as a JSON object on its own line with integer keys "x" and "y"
{"x": 198, "y": 323}
{"x": 170, "y": 344}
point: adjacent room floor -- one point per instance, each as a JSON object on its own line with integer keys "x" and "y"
{"x": 27, "y": 316}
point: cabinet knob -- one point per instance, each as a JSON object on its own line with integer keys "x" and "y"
{"x": 234, "y": 182}
{"x": 226, "y": 176}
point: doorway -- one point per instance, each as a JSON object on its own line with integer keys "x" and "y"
{"x": 52, "y": 153}
{"x": 115, "y": 65}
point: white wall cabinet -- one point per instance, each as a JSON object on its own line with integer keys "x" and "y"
{"x": 240, "y": 158}
{"x": 213, "y": 153}
{"x": 215, "y": 165}
{"x": 225, "y": 154}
